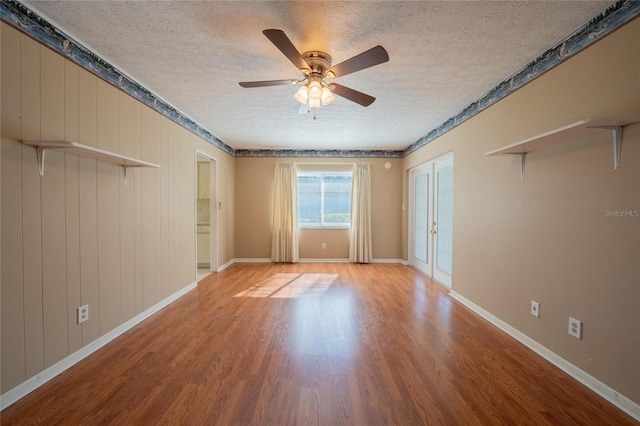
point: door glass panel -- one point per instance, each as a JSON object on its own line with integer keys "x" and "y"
{"x": 444, "y": 220}
{"x": 421, "y": 185}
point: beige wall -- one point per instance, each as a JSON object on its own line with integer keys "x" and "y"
{"x": 548, "y": 238}
{"x": 254, "y": 203}
{"x": 78, "y": 235}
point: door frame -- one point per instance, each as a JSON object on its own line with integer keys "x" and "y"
{"x": 431, "y": 244}
{"x": 213, "y": 209}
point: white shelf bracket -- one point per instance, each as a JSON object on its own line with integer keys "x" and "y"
{"x": 523, "y": 156}
{"x": 126, "y": 174}
{"x": 40, "y": 155}
{"x": 617, "y": 140}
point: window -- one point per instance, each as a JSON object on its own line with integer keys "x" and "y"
{"x": 324, "y": 199}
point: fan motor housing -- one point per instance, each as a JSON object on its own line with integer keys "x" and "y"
{"x": 318, "y": 61}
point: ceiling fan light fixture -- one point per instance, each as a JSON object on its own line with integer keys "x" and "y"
{"x": 314, "y": 103}
{"x": 302, "y": 95}
{"x": 315, "y": 90}
{"x": 327, "y": 96}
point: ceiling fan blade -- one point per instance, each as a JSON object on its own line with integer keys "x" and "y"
{"x": 374, "y": 56}
{"x": 353, "y": 95}
{"x": 303, "y": 109}
{"x": 282, "y": 42}
{"x": 249, "y": 84}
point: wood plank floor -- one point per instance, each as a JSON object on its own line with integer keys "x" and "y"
{"x": 314, "y": 344}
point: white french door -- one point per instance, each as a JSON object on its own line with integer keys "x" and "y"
{"x": 422, "y": 212}
{"x": 431, "y": 218}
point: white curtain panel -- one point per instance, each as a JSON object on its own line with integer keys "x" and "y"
{"x": 284, "y": 242}
{"x": 360, "y": 236}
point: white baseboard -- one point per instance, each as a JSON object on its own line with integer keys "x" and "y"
{"x": 306, "y": 260}
{"x": 400, "y": 261}
{"x": 226, "y": 265}
{"x": 251, "y": 260}
{"x": 611, "y": 395}
{"x": 44, "y": 376}
{"x": 323, "y": 260}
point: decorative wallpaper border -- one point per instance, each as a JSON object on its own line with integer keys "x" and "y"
{"x": 318, "y": 153}
{"x": 615, "y": 16}
{"x": 612, "y": 18}
{"x": 17, "y": 15}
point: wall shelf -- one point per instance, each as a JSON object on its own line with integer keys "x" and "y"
{"x": 87, "y": 152}
{"x": 564, "y": 134}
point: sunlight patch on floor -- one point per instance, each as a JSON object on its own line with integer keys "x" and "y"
{"x": 291, "y": 286}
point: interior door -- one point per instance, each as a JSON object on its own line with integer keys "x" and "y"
{"x": 431, "y": 219}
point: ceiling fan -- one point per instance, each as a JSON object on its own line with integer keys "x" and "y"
{"x": 316, "y": 67}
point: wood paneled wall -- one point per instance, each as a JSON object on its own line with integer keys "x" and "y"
{"x": 78, "y": 235}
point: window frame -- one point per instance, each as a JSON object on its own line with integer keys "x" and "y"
{"x": 322, "y": 174}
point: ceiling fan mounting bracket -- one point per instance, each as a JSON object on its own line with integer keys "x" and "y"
{"x": 319, "y": 62}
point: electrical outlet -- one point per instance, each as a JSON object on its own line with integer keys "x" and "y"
{"x": 324, "y": 246}
{"x": 575, "y": 328}
{"x": 535, "y": 309}
{"x": 83, "y": 314}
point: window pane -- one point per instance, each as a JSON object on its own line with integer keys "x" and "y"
{"x": 445, "y": 220}
{"x": 324, "y": 199}
{"x": 337, "y": 199}
{"x": 421, "y": 186}
{"x": 309, "y": 203}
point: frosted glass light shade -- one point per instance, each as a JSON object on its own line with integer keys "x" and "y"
{"x": 327, "y": 96}
{"x": 314, "y": 103}
{"x": 315, "y": 90}
{"x": 302, "y": 95}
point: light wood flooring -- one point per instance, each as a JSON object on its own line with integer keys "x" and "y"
{"x": 314, "y": 344}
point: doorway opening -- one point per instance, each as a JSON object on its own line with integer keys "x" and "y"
{"x": 207, "y": 206}
{"x": 431, "y": 218}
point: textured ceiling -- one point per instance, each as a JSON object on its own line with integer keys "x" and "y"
{"x": 443, "y": 56}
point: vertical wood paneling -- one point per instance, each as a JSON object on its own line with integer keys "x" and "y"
{"x": 157, "y": 179}
{"x": 190, "y": 208}
{"x": 31, "y": 207}
{"x": 108, "y": 199}
{"x": 89, "y": 293}
{"x": 52, "y": 94}
{"x": 10, "y": 80}
{"x": 149, "y": 211}
{"x": 78, "y": 235}
{"x": 186, "y": 157}
{"x": 127, "y": 212}
{"x": 175, "y": 197}
{"x": 12, "y": 276}
{"x": 11, "y": 291}
{"x": 54, "y": 271}
{"x": 108, "y": 117}
{"x": 137, "y": 125}
{"x": 72, "y": 206}
{"x": 87, "y": 93}
{"x": 171, "y": 194}
{"x": 164, "y": 207}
